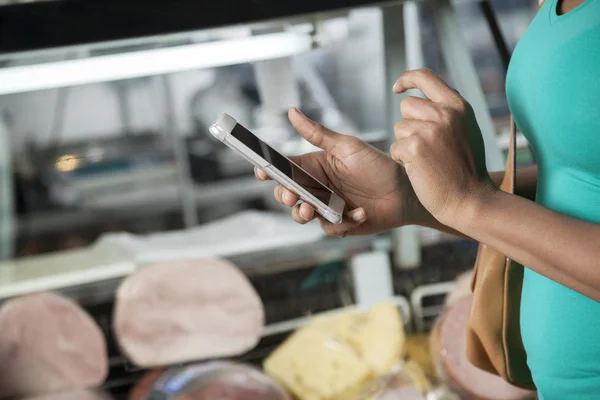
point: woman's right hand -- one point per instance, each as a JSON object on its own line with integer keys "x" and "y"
{"x": 376, "y": 189}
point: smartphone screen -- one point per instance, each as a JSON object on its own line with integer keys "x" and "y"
{"x": 291, "y": 170}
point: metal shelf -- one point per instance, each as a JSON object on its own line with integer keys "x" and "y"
{"x": 139, "y": 203}
{"x": 154, "y": 199}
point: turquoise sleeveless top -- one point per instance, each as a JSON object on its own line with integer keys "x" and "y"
{"x": 553, "y": 89}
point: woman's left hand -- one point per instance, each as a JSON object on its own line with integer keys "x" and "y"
{"x": 441, "y": 147}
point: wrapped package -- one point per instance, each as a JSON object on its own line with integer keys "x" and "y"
{"x": 208, "y": 381}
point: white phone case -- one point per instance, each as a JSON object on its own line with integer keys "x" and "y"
{"x": 222, "y": 128}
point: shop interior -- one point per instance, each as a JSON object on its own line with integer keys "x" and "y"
{"x": 113, "y": 189}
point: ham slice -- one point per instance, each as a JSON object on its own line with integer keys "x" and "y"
{"x": 187, "y": 310}
{"x": 48, "y": 344}
{"x": 448, "y": 348}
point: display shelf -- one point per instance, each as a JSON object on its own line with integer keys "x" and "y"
{"x": 139, "y": 203}
{"x": 146, "y": 200}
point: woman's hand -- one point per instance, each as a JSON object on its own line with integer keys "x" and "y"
{"x": 441, "y": 148}
{"x": 377, "y": 191}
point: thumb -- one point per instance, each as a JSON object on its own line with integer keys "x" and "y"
{"x": 351, "y": 221}
{"x": 314, "y": 133}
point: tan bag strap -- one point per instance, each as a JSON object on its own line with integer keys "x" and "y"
{"x": 510, "y": 176}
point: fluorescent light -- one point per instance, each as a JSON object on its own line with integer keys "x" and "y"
{"x": 152, "y": 62}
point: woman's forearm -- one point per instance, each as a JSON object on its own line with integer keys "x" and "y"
{"x": 561, "y": 248}
{"x": 526, "y": 184}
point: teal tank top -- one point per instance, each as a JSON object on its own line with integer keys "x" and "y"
{"x": 553, "y": 90}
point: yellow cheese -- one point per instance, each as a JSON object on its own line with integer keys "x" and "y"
{"x": 314, "y": 366}
{"x": 417, "y": 350}
{"x": 417, "y": 376}
{"x": 376, "y": 335}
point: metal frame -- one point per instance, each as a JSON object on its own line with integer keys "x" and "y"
{"x": 417, "y": 300}
{"x": 400, "y": 24}
{"x": 293, "y": 324}
{"x": 462, "y": 69}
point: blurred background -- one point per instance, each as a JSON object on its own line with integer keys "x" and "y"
{"x": 106, "y": 162}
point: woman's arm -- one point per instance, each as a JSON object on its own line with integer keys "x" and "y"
{"x": 561, "y": 248}
{"x": 525, "y": 187}
{"x": 441, "y": 147}
{"x": 526, "y": 183}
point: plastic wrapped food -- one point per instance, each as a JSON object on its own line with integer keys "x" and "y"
{"x": 404, "y": 385}
{"x": 208, "y": 381}
{"x": 448, "y": 349}
{"x": 405, "y": 382}
{"x": 442, "y": 393}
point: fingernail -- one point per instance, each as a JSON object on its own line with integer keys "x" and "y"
{"x": 357, "y": 215}
{"x": 303, "y": 214}
{"x": 396, "y": 86}
{"x": 297, "y": 110}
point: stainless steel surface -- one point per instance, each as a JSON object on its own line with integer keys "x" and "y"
{"x": 185, "y": 192}
{"x": 7, "y": 195}
{"x": 462, "y": 69}
{"x": 406, "y": 239}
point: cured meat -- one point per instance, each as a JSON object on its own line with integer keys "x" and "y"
{"x": 49, "y": 344}
{"x": 170, "y": 313}
{"x": 448, "y": 348}
{"x": 208, "y": 381}
{"x": 461, "y": 289}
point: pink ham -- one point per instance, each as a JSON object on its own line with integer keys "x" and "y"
{"x": 48, "y": 344}
{"x": 184, "y": 311}
{"x": 448, "y": 347}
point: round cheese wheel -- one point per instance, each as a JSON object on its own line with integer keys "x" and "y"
{"x": 448, "y": 346}
{"x": 48, "y": 343}
{"x": 185, "y": 311}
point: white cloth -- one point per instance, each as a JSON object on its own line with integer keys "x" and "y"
{"x": 245, "y": 232}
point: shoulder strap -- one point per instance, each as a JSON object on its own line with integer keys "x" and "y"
{"x": 510, "y": 176}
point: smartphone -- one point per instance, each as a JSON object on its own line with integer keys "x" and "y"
{"x": 280, "y": 168}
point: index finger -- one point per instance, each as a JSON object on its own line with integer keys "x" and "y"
{"x": 429, "y": 83}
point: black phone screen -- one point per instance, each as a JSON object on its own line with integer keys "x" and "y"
{"x": 281, "y": 163}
